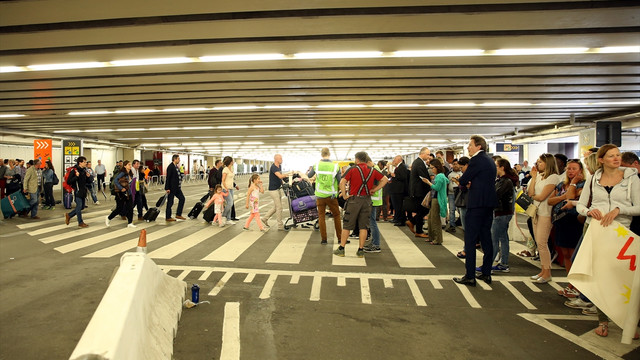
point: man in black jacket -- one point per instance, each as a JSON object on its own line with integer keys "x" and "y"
{"x": 78, "y": 180}
{"x": 215, "y": 176}
{"x": 482, "y": 199}
{"x": 173, "y": 187}
{"x": 418, "y": 189}
{"x": 398, "y": 189}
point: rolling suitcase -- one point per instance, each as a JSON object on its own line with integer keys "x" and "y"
{"x": 209, "y": 214}
{"x": 13, "y": 204}
{"x": 152, "y": 214}
{"x": 195, "y": 212}
{"x": 67, "y": 199}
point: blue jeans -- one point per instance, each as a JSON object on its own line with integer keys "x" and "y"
{"x": 228, "y": 204}
{"x": 373, "y": 225}
{"x": 33, "y": 203}
{"x": 78, "y": 210}
{"x": 463, "y": 215}
{"x": 500, "y": 237}
{"x": 452, "y": 209}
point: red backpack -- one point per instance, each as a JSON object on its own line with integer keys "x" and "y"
{"x": 65, "y": 184}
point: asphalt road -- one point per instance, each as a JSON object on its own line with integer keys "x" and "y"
{"x": 287, "y": 294}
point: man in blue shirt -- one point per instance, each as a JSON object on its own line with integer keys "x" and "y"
{"x": 275, "y": 191}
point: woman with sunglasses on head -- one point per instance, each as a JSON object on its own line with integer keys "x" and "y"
{"x": 544, "y": 177}
{"x": 612, "y": 194}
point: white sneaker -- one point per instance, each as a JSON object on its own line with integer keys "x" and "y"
{"x": 230, "y": 222}
{"x": 131, "y": 226}
{"x": 107, "y": 221}
{"x": 578, "y": 303}
{"x": 96, "y": 203}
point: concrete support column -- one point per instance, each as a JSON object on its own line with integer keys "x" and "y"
{"x": 128, "y": 154}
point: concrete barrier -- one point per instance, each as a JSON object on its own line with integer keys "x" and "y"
{"x": 138, "y": 315}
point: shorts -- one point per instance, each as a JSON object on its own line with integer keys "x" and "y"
{"x": 357, "y": 210}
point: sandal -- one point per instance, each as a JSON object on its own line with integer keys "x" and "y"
{"x": 461, "y": 254}
{"x": 525, "y": 253}
{"x": 434, "y": 243}
{"x": 602, "y": 329}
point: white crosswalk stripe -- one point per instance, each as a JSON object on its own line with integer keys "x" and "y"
{"x": 233, "y": 248}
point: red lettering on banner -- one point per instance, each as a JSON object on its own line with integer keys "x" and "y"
{"x": 623, "y": 256}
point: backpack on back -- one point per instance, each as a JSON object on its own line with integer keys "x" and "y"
{"x": 65, "y": 183}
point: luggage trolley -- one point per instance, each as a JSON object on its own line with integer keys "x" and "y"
{"x": 303, "y": 209}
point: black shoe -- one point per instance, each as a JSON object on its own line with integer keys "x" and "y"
{"x": 235, "y": 219}
{"x": 323, "y": 242}
{"x": 399, "y": 224}
{"x": 465, "y": 281}
{"x": 485, "y": 278}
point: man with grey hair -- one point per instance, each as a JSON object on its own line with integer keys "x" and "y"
{"x": 418, "y": 189}
{"x": 32, "y": 184}
{"x": 275, "y": 191}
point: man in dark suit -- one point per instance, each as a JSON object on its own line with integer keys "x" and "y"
{"x": 481, "y": 200}
{"x": 418, "y": 189}
{"x": 214, "y": 177}
{"x": 398, "y": 189}
{"x": 173, "y": 187}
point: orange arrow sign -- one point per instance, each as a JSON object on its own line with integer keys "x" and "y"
{"x": 42, "y": 149}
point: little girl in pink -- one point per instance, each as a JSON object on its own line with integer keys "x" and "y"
{"x": 218, "y": 200}
{"x": 253, "y": 193}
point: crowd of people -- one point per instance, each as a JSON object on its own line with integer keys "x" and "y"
{"x": 566, "y": 195}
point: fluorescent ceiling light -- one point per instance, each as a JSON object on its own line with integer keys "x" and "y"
{"x": 562, "y": 104}
{"x": 297, "y": 142}
{"x": 618, "y": 49}
{"x": 231, "y": 143}
{"x": 10, "y": 69}
{"x": 11, "y": 115}
{"x": 190, "y": 144}
{"x": 169, "y": 144}
{"x": 67, "y": 131}
{"x": 98, "y": 130}
{"x": 132, "y": 129}
{"x": 102, "y": 112}
{"x": 164, "y": 129}
{"x": 339, "y": 55}
{"x": 342, "y": 141}
{"x": 438, "y": 53}
{"x": 253, "y": 143}
{"x": 450, "y": 104}
{"x": 305, "y": 125}
{"x": 269, "y": 126}
{"x": 286, "y": 106}
{"x": 235, "y": 107}
{"x": 341, "y": 106}
{"x": 197, "y": 127}
{"x": 616, "y": 103}
{"x": 345, "y": 135}
{"x": 394, "y": 105}
{"x": 541, "y": 51}
{"x": 505, "y": 104}
{"x": 68, "y": 66}
{"x": 248, "y": 57}
{"x": 233, "y": 127}
{"x": 186, "y": 109}
{"x": 138, "y": 111}
{"x": 158, "y": 61}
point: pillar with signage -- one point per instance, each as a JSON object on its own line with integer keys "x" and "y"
{"x": 42, "y": 149}
{"x": 71, "y": 149}
{"x": 508, "y": 151}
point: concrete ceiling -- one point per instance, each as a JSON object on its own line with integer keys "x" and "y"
{"x": 386, "y": 101}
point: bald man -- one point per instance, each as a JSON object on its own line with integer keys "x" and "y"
{"x": 275, "y": 191}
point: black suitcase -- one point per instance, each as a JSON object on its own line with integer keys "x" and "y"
{"x": 206, "y": 198}
{"x": 161, "y": 201}
{"x": 195, "y": 212}
{"x": 209, "y": 214}
{"x": 152, "y": 214}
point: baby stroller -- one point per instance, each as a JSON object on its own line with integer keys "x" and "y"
{"x": 302, "y": 205}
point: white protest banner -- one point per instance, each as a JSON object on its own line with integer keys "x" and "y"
{"x": 605, "y": 271}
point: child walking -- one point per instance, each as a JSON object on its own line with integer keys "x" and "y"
{"x": 218, "y": 201}
{"x": 253, "y": 194}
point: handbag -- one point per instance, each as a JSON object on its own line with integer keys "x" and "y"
{"x": 557, "y": 213}
{"x": 532, "y": 210}
{"x": 524, "y": 201}
{"x": 426, "y": 202}
{"x": 461, "y": 199}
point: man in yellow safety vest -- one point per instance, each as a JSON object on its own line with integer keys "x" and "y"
{"x": 327, "y": 178}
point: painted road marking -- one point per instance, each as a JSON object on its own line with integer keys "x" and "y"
{"x": 291, "y": 248}
{"x": 233, "y": 248}
{"x": 407, "y": 254}
{"x": 350, "y": 258}
{"x": 231, "y": 332}
{"x": 177, "y": 247}
{"x": 131, "y": 243}
{"x": 340, "y": 278}
{"x": 59, "y": 220}
{"x": 77, "y": 245}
